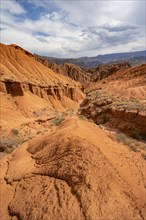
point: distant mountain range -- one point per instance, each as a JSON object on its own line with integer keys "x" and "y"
{"x": 135, "y": 58}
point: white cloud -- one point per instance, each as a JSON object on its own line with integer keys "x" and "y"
{"x": 12, "y": 7}
{"x": 76, "y": 28}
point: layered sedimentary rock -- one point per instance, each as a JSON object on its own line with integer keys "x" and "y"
{"x": 83, "y": 75}
{"x": 21, "y": 72}
{"x": 17, "y": 89}
{"x": 127, "y": 115}
{"x": 76, "y": 73}
{"x": 105, "y": 70}
{"x": 71, "y": 70}
{"x": 126, "y": 82}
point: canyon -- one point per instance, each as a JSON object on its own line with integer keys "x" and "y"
{"x": 72, "y": 139}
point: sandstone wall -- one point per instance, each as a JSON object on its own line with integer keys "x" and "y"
{"x": 57, "y": 92}
{"x": 126, "y": 115}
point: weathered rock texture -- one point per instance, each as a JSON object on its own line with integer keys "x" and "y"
{"x": 127, "y": 115}
{"x": 127, "y": 82}
{"x": 76, "y": 73}
{"x": 76, "y": 172}
{"x": 71, "y": 70}
{"x": 105, "y": 70}
{"x": 21, "y": 72}
{"x": 85, "y": 76}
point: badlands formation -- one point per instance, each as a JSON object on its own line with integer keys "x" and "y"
{"x": 55, "y": 163}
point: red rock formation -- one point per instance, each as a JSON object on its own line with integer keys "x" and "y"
{"x": 27, "y": 74}
{"x": 105, "y": 70}
{"x": 76, "y": 73}
{"x": 124, "y": 114}
{"x": 75, "y": 172}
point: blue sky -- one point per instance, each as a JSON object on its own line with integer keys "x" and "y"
{"x": 74, "y": 28}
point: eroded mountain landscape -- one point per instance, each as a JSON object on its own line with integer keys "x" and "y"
{"x": 72, "y": 110}
{"x": 72, "y": 139}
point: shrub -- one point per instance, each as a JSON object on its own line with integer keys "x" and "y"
{"x": 136, "y": 134}
{"x": 105, "y": 119}
{"x": 8, "y": 150}
{"x": 82, "y": 117}
{"x": 14, "y": 131}
{"x": 121, "y": 138}
{"x": 133, "y": 148}
{"x": 58, "y": 120}
{"x": 127, "y": 141}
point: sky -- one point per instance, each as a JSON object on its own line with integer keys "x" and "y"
{"x": 74, "y": 28}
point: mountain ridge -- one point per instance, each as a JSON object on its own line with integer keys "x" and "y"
{"x": 135, "y": 58}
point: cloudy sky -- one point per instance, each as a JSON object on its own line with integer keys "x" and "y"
{"x": 74, "y": 28}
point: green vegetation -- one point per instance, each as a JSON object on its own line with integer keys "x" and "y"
{"x": 82, "y": 117}
{"x": 58, "y": 120}
{"x": 14, "y": 131}
{"x": 136, "y": 134}
{"x": 8, "y": 146}
{"x": 98, "y": 96}
{"x": 105, "y": 119}
{"x": 122, "y": 138}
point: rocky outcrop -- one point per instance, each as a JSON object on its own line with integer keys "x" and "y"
{"x": 71, "y": 70}
{"x": 76, "y": 73}
{"x": 105, "y": 70}
{"x": 52, "y": 65}
{"x": 83, "y": 75}
{"x": 75, "y": 172}
{"x": 86, "y": 76}
{"x": 57, "y": 92}
{"x": 124, "y": 114}
{"x": 26, "y": 74}
{"x": 13, "y": 88}
{"x": 22, "y": 50}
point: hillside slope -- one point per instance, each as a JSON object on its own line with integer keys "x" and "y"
{"x": 129, "y": 82}
{"x": 75, "y": 172}
{"x": 68, "y": 69}
{"x": 30, "y": 86}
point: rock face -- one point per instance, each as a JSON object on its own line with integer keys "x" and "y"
{"x": 105, "y": 70}
{"x": 124, "y": 114}
{"x": 21, "y": 73}
{"x": 76, "y": 73}
{"x": 126, "y": 82}
{"x": 71, "y": 70}
{"x": 76, "y": 172}
{"x": 84, "y": 75}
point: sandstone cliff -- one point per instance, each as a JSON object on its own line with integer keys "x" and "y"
{"x": 126, "y": 82}
{"x": 105, "y": 70}
{"x": 127, "y": 115}
{"x": 71, "y": 70}
{"x": 76, "y": 73}
{"x": 22, "y": 73}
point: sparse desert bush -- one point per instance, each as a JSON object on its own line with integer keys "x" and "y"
{"x": 124, "y": 139}
{"x": 82, "y": 117}
{"x": 9, "y": 150}
{"x": 58, "y": 120}
{"x": 105, "y": 119}
{"x": 4, "y": 144}
{"x": 136, "y": 134}
{"x": 120, "y": 137}
{"x": 8, "y": 146}
{"x": 15, "y": 131}
{"x": 134, "y": 148}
